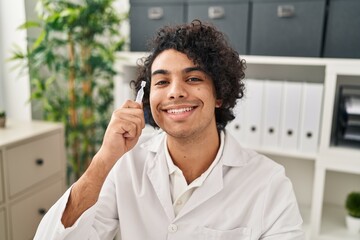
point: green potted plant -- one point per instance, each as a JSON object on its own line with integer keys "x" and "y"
{"x": 2, "y": 119}
{"x": 352, "y": 206}
{"x": 71, "y": 68}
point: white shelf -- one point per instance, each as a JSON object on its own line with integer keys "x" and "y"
{"x": 333, "y": 224}
{"x": 340, "y": 159}
{"x": 321, "y": 221}
{"x": 305, "y": 213}
{"x": 286, "y": 153}
{"x": 130, "y": 59}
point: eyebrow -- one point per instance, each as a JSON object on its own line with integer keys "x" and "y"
{"x": 160, "y": 71}
{"x": 192, "y": 69}
{"x": 186, "y": 70}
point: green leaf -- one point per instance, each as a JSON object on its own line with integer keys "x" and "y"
{"x": 94, "y": 25}
{"x": 39, "y": 40}
{"x": 29, "y": 24}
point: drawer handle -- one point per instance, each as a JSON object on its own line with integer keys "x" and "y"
{"x": 285, "y": 11}
{"x": 155, "y": 13}
{"x": 42, "y": 211}
{"x": 216, "y": 12}
{"x": 39, "y": 162}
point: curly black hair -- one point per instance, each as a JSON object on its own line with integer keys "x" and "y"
{"x": 208, "y": 48}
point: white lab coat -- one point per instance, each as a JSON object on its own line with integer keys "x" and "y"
{"x": 246, "y": 197}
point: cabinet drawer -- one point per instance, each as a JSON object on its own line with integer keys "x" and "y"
{"x": 2, "y": 187}
{"x": 146, "y": 18}
{"x": 342, "y": 32}
{"x": 3, "y": 229}
{"x": 287, "y": 27}
{"x": 28, "y": 213}
{"x": 230, "y": 17}
{"x": 32, "y": 162}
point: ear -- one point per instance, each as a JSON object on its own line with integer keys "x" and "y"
{"x": 218, "y": 103}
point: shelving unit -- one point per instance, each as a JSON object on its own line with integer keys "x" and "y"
{"x": 321, "y": 180}
{"x": 328, "y": 212}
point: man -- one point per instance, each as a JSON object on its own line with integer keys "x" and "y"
{"x": 189, "y": 180}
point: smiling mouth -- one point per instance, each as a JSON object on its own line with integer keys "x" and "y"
{"x": 179, "y": 110}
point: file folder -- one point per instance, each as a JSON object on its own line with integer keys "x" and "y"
{"x": 353, "y": 120}
{"x": 289, "y": 136}
{"x": 352, "y": 105}
{"x": 310, "y": 117}
{"x": 273, "y": 93}
{"x": 236, "y": 126}
{"x": 253, "y": 112}
{"x": 352, "y": 133}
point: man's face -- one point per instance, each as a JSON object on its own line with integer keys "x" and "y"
{"x": 182, "y": 96}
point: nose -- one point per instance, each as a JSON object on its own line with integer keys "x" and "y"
{"x": 177, "y": 89}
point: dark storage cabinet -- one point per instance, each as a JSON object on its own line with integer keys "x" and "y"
{"x": 230, "y": 16}
{"x": 299, "y": 28}
{"x": 287, "y": 28}
{"x": 343, "y": 29}
{"x": 147, "y": 16}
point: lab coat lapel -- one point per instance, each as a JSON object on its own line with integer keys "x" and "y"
{"x": 211, "y": 186}
{"x": 158, "y": 174}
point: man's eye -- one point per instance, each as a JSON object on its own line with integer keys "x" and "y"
{"x": 161, "y": 82}
{"x": 194, "y": 79}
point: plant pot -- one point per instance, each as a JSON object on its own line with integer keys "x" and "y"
{"x": 353, "y": 224}
{"x": 2, "y": 122}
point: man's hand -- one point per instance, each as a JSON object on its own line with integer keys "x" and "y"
{"x": 121, "y": 136}
{"x": 123, "y": 131}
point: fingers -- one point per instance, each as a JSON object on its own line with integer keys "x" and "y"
{"x": 131, "y": 104}
{"x": 130, "y": 118}
{"x": 128, "y": 126}
{"x": 123, "y": 131}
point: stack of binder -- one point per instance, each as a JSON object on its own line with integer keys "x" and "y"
{"x": 349, "y": 116}
{"x": 279, "y": 115}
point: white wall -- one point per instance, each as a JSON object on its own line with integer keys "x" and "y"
{"x": 14, "y": 89}
{"x": 123, "y": 6}
{"x": 2, "y": 104}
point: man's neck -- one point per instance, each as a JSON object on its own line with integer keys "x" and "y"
{"x": 194, "y": 156}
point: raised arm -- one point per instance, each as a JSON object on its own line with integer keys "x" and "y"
{"x": 121, "y": 136}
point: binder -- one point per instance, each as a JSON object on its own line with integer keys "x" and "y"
{"x": 289, "y": 136}
{"x": 253, "y": 112}
{"x": 310, "y": 117}
{"x": 273, "y": 93}
{"x": 236, "y": 126}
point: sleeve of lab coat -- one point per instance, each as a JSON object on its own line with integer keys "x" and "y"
{"x": 98, "y": 222}
{"x": 281, "y": 215}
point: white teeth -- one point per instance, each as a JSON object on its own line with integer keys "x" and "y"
{"x": 180, "y": 110}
